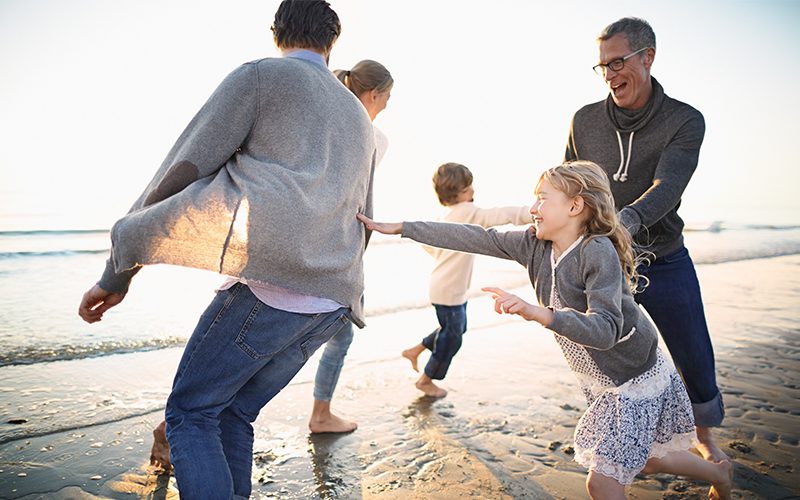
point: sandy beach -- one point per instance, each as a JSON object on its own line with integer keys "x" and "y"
{"x": 503, "y": 431}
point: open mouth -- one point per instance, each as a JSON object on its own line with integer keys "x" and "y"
{"x": 616, "y": 89}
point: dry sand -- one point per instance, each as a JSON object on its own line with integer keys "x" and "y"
{"x": 503, "y": 431}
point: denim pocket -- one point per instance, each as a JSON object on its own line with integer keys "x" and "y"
{"x": 267, "y": 330}
{"x": 220, "y": 305}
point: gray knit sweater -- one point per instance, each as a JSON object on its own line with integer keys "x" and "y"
{"x": 598, "y": 310}
{"x": 660, "y": 145}
{"x": 263, "y": 184}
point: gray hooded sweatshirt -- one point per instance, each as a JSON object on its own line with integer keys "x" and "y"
{"x": 263, "y": 184}
{"x": 598, "y": 310}
{"x": 649, "y": 155}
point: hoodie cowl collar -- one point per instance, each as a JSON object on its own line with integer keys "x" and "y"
{"x": 628, "y": 120}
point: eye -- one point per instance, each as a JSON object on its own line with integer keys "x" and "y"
{"x": 616, "y": 64}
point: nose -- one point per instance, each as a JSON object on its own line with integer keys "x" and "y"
{"x": 534, "y": 208}
{"x": 608, "y": 74}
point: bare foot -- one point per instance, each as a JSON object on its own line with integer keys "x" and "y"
{"x": 412, "y": 355}
{"x": 707, "y": 448}
{"x": 159, "y": 453}
{"x": 330, "y": 423}
{"x": 721, "y": 489}
{"x": 430, "y": 389}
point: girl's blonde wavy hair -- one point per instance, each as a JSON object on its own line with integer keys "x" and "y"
{"x": 587, "y": 180}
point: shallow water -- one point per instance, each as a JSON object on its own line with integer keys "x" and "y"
{"x": 44, "y": 273}
{"x": 61, "y": 374}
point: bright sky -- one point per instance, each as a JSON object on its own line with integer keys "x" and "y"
{"x": 94, "y": 93}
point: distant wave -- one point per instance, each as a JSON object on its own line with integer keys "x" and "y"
{"x": 51, "y": 253}
{"x": 32, "y": 355}
{"x": 771, "y": 227}
{"x": 53, "y": 243}
{"x": 719, "y": 226}
{"x": 53, "y": 232}
{"x": 749, "y": 254}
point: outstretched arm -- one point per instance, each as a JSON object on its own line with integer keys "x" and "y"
{"x": 469, "y": 238}
{"x": 381, "y": 227}
{"x": 506, "y": 303}
{"x": 210, "y": 139}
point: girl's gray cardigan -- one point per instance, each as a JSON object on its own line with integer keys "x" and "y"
{"x": 599, "y": 311}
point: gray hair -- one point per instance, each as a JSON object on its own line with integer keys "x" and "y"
{"x": 637, "y": 31}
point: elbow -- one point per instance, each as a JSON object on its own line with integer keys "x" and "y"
{"x": 613, "y": 336}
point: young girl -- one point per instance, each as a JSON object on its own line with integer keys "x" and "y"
{"x": 580, "y": 262}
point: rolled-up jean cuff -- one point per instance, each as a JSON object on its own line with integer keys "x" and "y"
{"x": 710, "y": 413}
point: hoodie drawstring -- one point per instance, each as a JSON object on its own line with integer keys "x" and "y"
{"x": 622, "y": 175}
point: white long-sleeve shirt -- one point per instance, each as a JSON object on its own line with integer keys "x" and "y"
{"x": 452, "y": 272}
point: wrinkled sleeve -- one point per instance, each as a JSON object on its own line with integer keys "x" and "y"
{"x": 213, "y": 136}
{"x": 471, "y": 238}
{"x": 675, "y": 168}
{"x": 600, "y": 327}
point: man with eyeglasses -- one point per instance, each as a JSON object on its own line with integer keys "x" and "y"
{"x": 649, "y": 144}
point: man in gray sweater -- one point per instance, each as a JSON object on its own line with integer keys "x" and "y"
{"x": 649, "y": 144}
{"x": 262, "y": 186}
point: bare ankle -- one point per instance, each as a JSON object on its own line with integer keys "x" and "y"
{"x": 426, "y": 385}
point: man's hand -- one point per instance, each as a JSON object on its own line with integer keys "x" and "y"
{"x": 381, "y": 227}
{"x": 97, "y": 301}
{"x": 506, "y": 303}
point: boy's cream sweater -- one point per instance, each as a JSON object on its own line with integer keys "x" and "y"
{"x": 452, "y": 272}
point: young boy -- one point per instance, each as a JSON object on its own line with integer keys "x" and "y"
{"x": 452, "y": 273}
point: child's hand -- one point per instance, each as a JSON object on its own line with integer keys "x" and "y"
{"x": 506, "y": 303}
{"x": 381, "y": 227}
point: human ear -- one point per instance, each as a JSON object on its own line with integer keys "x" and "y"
{"x": 649, "y": 57}
{"x": 576, "y": 208}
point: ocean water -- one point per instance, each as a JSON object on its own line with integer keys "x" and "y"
{"x": 59, "y": 373}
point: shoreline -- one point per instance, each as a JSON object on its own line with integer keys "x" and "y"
{"x": 503, "y": 431}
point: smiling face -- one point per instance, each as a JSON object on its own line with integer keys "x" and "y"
{"x": 630, "y": 87}
{"x": 550, "y": 211}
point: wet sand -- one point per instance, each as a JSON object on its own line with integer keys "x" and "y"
{"x": 503, "y": 431}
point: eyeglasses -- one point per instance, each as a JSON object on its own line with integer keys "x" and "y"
{"x": 616, "y": 64}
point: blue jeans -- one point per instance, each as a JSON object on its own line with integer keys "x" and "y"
{"x": 673, "y": 301}
{"x": 445, "y": 341}
{"x": 241, "y": 354}
{"x": 331, "y": 363}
